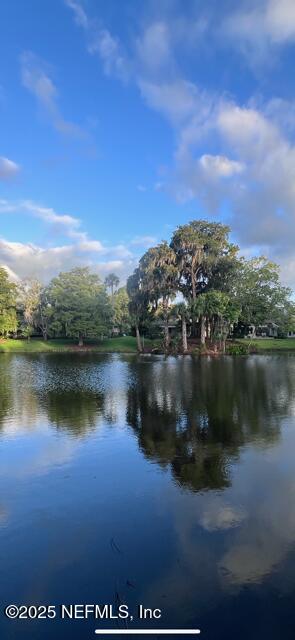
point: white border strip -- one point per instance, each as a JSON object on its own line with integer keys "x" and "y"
{"x": 148, "y": 632}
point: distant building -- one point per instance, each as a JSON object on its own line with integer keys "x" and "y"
{"x": 267, "y": 330}
{"x": 172, "y": 327}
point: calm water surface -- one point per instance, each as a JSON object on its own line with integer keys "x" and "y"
{"x": 143, "y": 480}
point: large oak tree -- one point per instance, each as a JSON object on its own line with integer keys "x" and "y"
{"x": 80, "y": 306}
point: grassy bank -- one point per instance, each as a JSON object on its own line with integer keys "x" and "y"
{"x": 126, "y": 344}
{"x": 270, "y": 344}
{"x": 35, "y": 345}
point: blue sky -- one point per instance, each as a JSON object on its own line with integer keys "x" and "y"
{"x": 121, "y": 120}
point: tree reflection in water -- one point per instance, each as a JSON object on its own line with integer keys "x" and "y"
{"x": 195, "y": 415}
{"x": 192, "y": 415}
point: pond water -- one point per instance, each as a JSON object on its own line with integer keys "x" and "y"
{"x": 167, "y": 482}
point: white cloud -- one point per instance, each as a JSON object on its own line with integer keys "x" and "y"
{"x": 49, "y": 215}
{"x": 144, "y": 241}
{"x": 91, "y": 245}
{"x": 281, "y": 112}
{"x": 154, "y": 47}
{"x": 30, "y": 260}
{"x": 120, "y": 250}
{"x": 176, "y": 99}
{"x": 264, "y": 205}
{"x": 108, "y": 48}
{"x": 225, "y": 152}
{"x": 110, "y": 265}
{"x": 79, "y": 13}
{"x": 221, "y": 516}
{"x": 67, "y": 223}
{"x": 261, "y": 545}
{"x": 8, "y": 168}
{"x": 247, "y": 129}
{"x": 280, "y": 20}
{"x": 262, "y": 27}
{"x": 35, "y": 78}
{"x": 27, "y": 260}
{"x": 287, "y": 265}
{"x": 141, "y": 187}
{"x": 101, "y": 42}
{"x": 220, "y": 166}
{"x": 262, "y": 191}
{"x": 260, "y": 180}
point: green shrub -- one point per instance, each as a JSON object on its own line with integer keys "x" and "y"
{"x": 235, "y": 349}
{"x": 282, "y": 335}
{"x": 176, "y": 344}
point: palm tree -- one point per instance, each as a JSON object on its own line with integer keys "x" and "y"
{"x": 183, "y": 312}
{"x": 198, "y": 308}
{"x": 219, "y": 311}
{"x": 112, "y": 281}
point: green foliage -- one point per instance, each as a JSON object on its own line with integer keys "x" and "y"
{"x": 175, "y": 344}
{"x": 112, "y": 281}
{"x": 220, "y": 311}
{"x": 8, "y": 290}
{"x": 30, "y": 302}
{"x": 159, "y": 281}
{"x": 121, "y": 317}
{"x": 27, "y": 331}
{"x": 260, "y": 294}
{"x": 159, "y": 273}
{"x": 182, "y": 310}
{"x": 79, "y": 305}
{"x": 220, "y": 289}
{"x": 201, "y": 247}
{"x": 237, "y": 349}
{"x": 137, "y": 304}
{"x": 221, "y": 293}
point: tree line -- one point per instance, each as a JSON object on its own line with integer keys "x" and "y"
{"x": 217, "y": 289}
{"x": 198, "y": 282}
{"x": 74, "y": 305}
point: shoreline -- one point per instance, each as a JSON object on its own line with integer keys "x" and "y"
{"x": 126, "y": 345}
